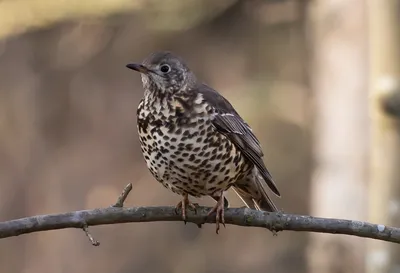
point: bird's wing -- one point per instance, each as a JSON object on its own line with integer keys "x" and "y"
{"x": 228, "y": 122}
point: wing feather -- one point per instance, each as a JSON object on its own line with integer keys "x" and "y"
{"x": 229, "y": 123}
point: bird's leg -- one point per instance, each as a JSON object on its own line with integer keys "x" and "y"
{"x": 220, "y": 210}
{"x": 183, "y": 205}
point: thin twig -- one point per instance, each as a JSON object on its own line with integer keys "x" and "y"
{"x": 91, "y": 239}
{"x": 233, "y": 216}
{"x": 121, "y": 199}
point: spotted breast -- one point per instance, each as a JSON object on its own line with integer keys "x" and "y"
{"x": 183, "y": 149}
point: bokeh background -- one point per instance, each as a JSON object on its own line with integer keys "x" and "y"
{"x": 302, "y": 73}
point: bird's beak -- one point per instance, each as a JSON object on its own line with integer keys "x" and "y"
{"x": 138, "y": 67}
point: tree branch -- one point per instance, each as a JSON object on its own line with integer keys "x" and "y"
{"x": 121, "y": 199}
{"x": 234, "y": 216}
{"x": 117, "y": 214}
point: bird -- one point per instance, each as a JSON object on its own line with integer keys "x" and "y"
{"x": 195, "y": 143}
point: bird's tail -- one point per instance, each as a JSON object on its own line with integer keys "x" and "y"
{"x": 253, "y": 193}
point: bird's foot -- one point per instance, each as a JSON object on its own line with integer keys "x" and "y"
{"x": 220, "y": 210}
{"x": 183, "y": 205}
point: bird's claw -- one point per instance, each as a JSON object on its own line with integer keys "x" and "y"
{"x": 183, "y": 205}
{"x": 220, "y": 214}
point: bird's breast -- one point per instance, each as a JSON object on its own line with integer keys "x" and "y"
{"x": 186, "y": 151}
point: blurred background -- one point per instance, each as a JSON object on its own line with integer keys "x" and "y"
{"x": 316, "y": 80}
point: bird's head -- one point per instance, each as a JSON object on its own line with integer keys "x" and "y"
{"x": 164, "y": 72}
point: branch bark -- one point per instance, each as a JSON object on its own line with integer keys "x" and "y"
{"x": 234, "y": 216}
{"x": 117, "y": 214}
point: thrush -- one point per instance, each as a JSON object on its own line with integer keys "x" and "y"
{"x": 194, "y": 142}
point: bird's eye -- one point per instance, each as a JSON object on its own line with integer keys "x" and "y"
{"x": 165, "y": 68}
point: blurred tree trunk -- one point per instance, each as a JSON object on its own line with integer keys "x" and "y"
{"x": 384, "y": 195}
{"x": 337, "y": 30}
